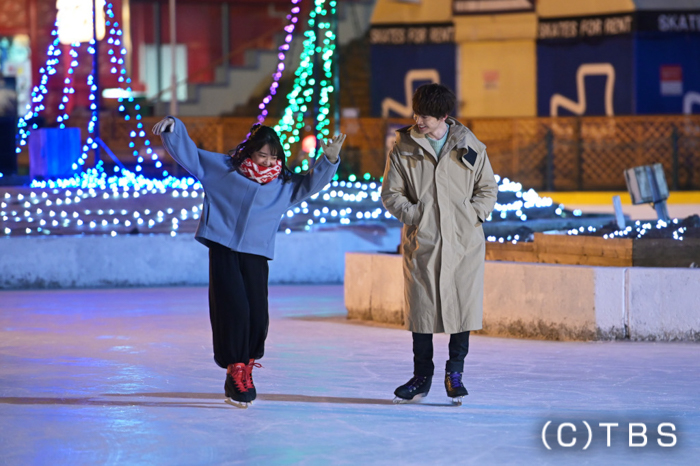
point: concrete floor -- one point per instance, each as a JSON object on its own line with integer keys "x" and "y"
{"x": 126, "y": 376}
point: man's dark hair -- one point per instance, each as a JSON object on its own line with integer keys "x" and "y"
{"x": 433, "y": 100}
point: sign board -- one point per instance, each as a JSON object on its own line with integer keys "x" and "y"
{"x": 582, "y": 27}
{"x": 667, "y": 71}
{"x": 491, "y": 79}
{"x": 585, "y": 78}
{"x": 397, "y": 70}
{"x": 671, "y": 77}
{"x": 489, "y": 7}
{"x": 669, "y": 21}
{"x": 654, "y": 57}
{"x": 401, "y": 34}
{"x": 585, "y": 27}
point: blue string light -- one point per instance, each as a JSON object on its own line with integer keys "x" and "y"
{"x": 117, "y": 54}
{"x": 38, "y": 92}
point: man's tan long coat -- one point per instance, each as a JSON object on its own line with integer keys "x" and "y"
{"x": 442, "y": 205}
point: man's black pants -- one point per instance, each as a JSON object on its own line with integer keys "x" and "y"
{"x": 237, "y": 305}
{"x": 423, "y": 353}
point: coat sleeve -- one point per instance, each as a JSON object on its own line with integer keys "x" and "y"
{"x": 307, "y": 185}
{"x": 187, "y": 154}
{"x": 485, "y": 190}
{"x": 394, "y": 193}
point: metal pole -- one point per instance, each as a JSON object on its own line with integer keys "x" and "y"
{"x": 658, "y": 202}
{"x": 662, "y": 211}
{"x": 225, "y": 35}
{"x": 549, "y": 169}
{"x": 579, "y": 155}
{"x": 335, "y": 69}
{"x": 96, "y": 81}
{"x": 157, "y": 34}
{"x": 619, "y": 214}
{"x": 173, "y": 62}
{"x": 674, "y": 155}
{"x": 316, "y": 89}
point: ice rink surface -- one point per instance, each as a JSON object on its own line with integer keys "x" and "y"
{"x": 126, "y": 376}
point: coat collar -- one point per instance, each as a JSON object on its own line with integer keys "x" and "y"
{"x": 460, "y": 138}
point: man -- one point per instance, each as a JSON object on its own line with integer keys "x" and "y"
{"x": 439, "y": 183}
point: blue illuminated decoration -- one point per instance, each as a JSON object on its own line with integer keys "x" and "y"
{"x": 117, "y": 54}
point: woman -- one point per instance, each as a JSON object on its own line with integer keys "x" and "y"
{"x": 246, "y": 194}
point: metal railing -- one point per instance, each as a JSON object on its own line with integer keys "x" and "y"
{"x": 590, "y": 153}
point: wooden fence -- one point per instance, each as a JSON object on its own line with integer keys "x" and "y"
{"x": 553, "y": 154}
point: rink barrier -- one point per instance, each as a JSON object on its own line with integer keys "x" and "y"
{"x": 548, "y": 301}
{"x": 163, "y": 260}
{"x": 591, "y": 250}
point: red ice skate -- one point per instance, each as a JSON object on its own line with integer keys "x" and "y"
{"x": 249, "y": 378}
{"x": 237, "y": 393}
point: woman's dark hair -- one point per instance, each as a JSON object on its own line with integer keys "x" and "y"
{"x": 433, "y": 100}
{"x": 258, "y": 137}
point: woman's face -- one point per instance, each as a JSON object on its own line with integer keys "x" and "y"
{"x": 264, "y": 157}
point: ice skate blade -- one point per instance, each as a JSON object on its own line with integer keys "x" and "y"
{"x": 457, "y": 401}
{"x": 416, "y": 399}
{"x": 237, "y": 404}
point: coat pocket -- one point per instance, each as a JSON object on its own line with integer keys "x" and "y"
{"x": 409, "y": 240}
{"x": 411, "y": 232}
{"x": 418, "y": 213}
{"x": 471, "y": 213}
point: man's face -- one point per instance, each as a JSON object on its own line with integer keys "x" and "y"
{"x": 428, "y": 124}
{"x": 264, "y": 156}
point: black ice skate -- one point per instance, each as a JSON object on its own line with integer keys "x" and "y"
{"x": 455, "y": 388}
{"x": 414, "y": 390}
{"x": 235, "y": 387}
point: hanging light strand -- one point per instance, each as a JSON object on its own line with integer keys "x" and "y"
{"x": 68, "y": 89}
{"x": 301, "y": 98}
{"x": 137, "y": 137}
{"x": 293, "y": 18}
{"x": 37, "y": 106}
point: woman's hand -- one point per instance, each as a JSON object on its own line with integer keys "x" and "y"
{"x": 165, "y": 125}
{"x": 331, "y": 147}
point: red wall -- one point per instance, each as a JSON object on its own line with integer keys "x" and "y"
{"x": 199, "y": 26}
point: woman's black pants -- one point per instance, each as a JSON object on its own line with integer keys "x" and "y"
{"x": 237, "y": 305}
{"x": 423, "y": 353}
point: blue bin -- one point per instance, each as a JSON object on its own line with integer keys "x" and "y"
{"x": 53, "y": 151}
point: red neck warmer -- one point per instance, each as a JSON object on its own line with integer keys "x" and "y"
{"x": 262, "y": 175}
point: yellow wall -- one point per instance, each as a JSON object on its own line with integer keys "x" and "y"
{"x": 515, "y": 91}
{"x": 426, "y": 11}
{"x": 501, "y": 46}
{"x": 554, "y": 8}
{"x": 437, "y": 11}
{"x": 495, "y": 27}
